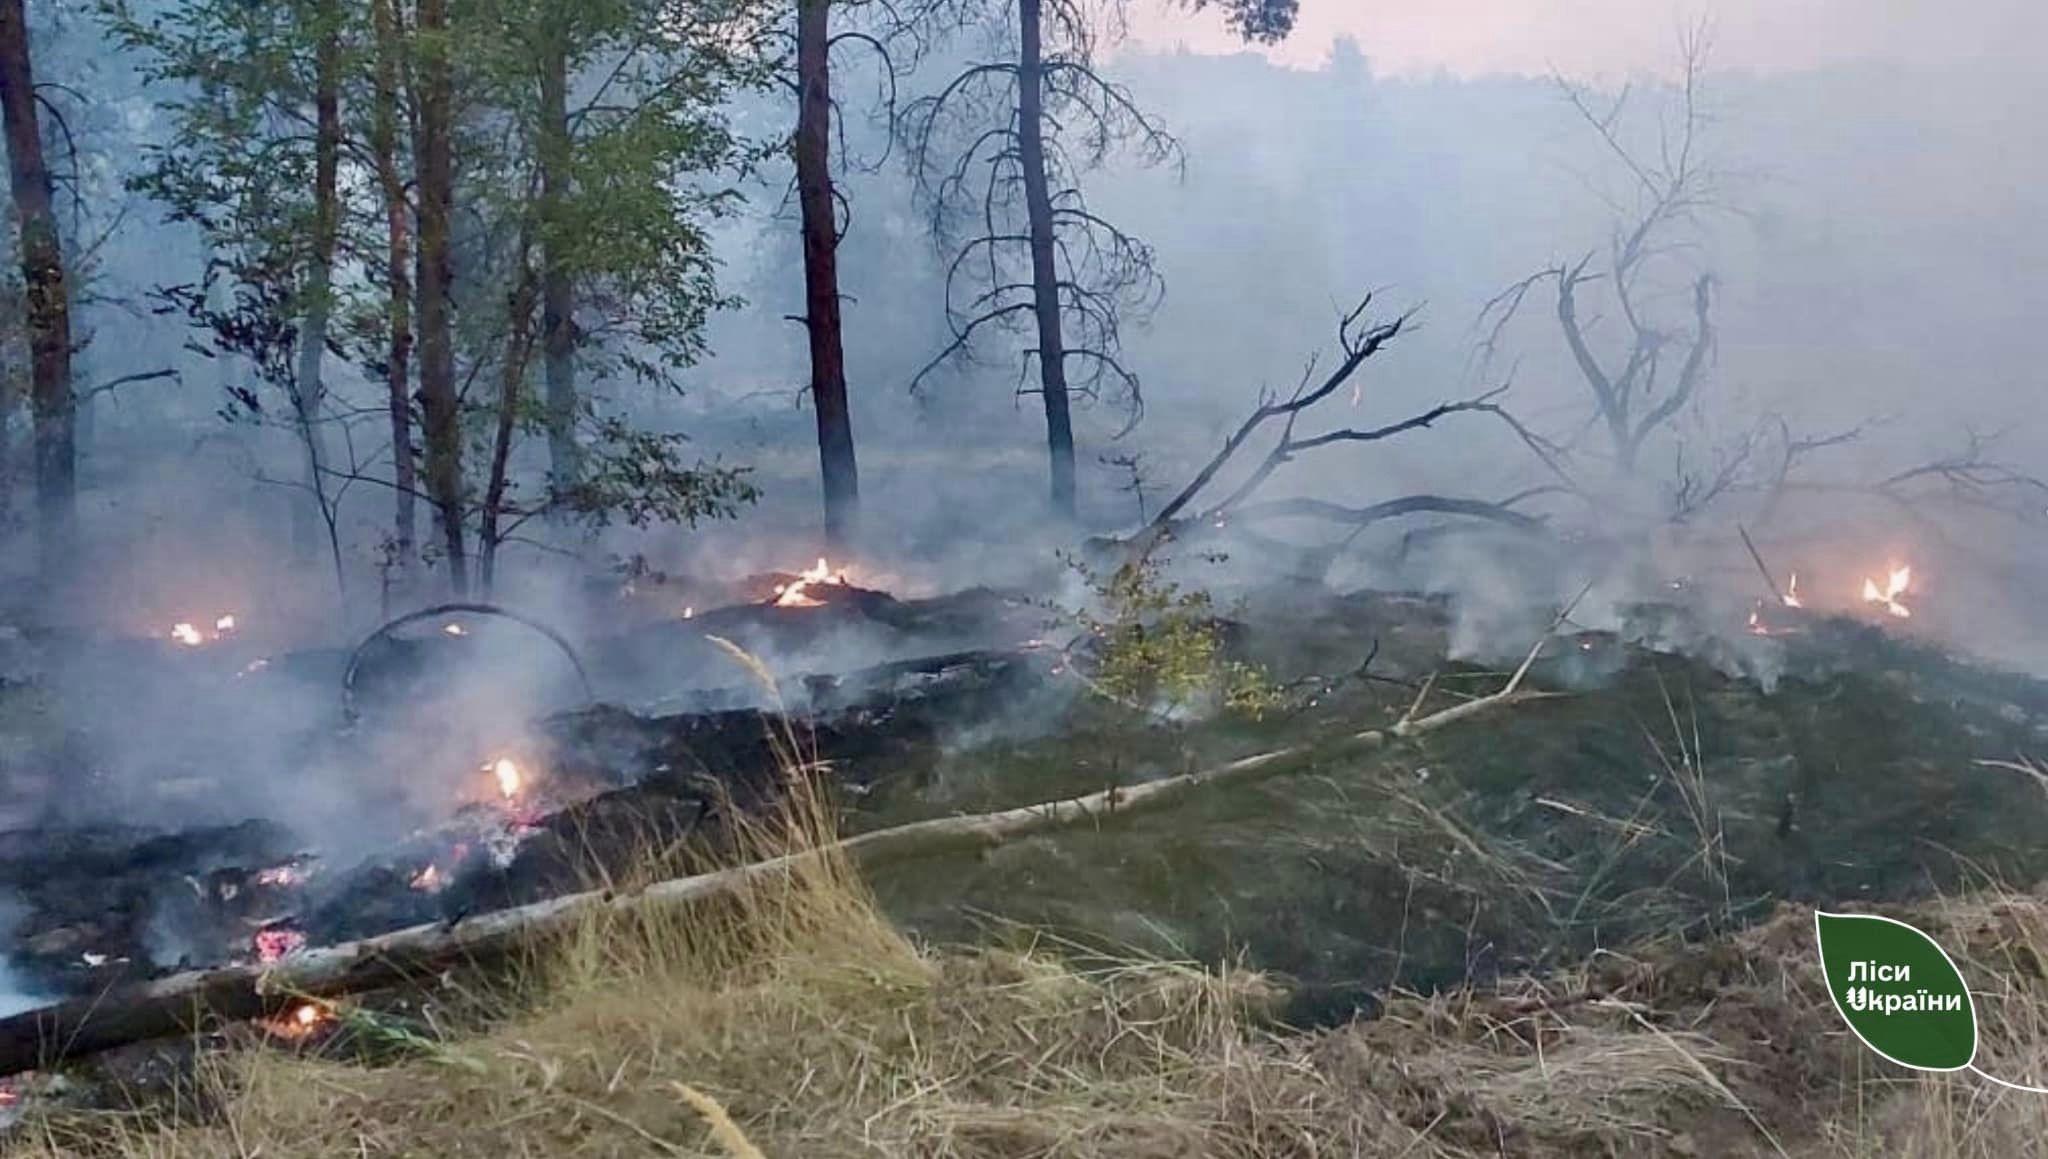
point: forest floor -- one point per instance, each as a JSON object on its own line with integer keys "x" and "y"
{"x": 1577, "y": 925}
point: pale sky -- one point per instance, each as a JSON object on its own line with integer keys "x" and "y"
{"x": 1593, "y": 37}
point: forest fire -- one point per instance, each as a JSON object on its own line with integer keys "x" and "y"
{"x": 795, "y": 594}
{"x": 1898, "y": 581}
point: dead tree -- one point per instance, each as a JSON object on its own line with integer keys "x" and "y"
{"x": 1028, "y": 255}
{"x": 1205, "y": 503}
{"x": 48, "y": 300}
{"x": 1641, "y": 380}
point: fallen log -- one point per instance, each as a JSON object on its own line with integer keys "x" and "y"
{"x": 187, "y": 1003}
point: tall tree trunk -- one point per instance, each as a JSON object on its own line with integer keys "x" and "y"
{"x": 440, "y": 408}
{"x": 398, "y": 257}
{"x": 1045, "y": 286}
{"x": 813, "y": 148}
{"x": 49, "y": 302}
{"x": 558, "y": 295}
{"x": 309, "y": 394}
{"x": 512, "y": 376}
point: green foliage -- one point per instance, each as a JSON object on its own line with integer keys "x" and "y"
{"x": 641, "y": 477}
{"x": 1161, "y": 648}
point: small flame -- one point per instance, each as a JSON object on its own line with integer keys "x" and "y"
{"x": 793, "y": 595}
{"x": 1792, "y": 592}
{"x": 1897, "y": 583}
{"x": 429, "y": 880}
{"x": 301, "y": 1021}
{"x": 455, "y": 630}
{"x": 690, "y": 613}
{"x": 187, "y": 635}
{"x": 509, "y": 778}
{"x": 224, "y": 625}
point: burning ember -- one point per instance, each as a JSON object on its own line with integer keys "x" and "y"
{"x": 1897, "y": 583}
{"x": 274, "y": 942}
{"x": 187, "y": 635}
{"x": 794, "y": 595}
{"x": 223, "y": 626}
{"x": 455, "y": 629}
{"x": 301, "y": 1021}
{"x": 508, "y": 776}
{"x": 1791, "y": 596}
{"x": 430, "y": 880}
{"x": 690, "y": 613}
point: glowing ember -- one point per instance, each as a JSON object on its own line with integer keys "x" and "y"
{"x": 1792, "y": 592}
{"x": 455, "y": 630}
{"x": 508, "y": 775}
{"x": 1897, "y": 583}
{"x": 187, "y": 635}
{"x": 794, "y": 595}
{"x": 429, "y": 880}
{"x": 273, "y": 943}
{"x": 224, "y": 625}
{"x": 301, "y": 1021}
{"x": 689, "y": 613}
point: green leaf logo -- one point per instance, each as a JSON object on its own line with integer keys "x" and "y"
{"x": 1898, "y": 991}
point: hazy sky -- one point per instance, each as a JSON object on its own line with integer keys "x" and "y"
{"x": 1583, "y": 37}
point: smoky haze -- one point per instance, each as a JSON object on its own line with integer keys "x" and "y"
{"x": 1876, "y": 250}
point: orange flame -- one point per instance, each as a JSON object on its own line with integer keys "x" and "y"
{"x": 1897, "y": 583}
{"x": 793, "y": 595}
{"x": 1792, "y": 592}
{"x": 428, "y": 880}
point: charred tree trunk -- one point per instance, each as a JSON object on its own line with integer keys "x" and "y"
{"x": 48, "y": 311}
{"x": 813, "y": 149}
{"x": 440, "y": 407}
{"x": 1045, "y": 279}
{"x": 558, "y": 292}
{"x": 309, "y": 394}
{"x": 397, "y": 272}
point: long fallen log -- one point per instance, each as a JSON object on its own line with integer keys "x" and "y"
{"x": 189, "y": 1002}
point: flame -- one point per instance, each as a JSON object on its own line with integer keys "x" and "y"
{"x": 301, "y": 1021}
{"x": 187, "y": 635}
{"x": 690, "y": 613}
{"x": 1897, "y": 583}
{"x": 224, "y": 625}
{"x": 455, "y": 630}
{"x": 509, "y": 779}
{"x": 1792, "y": 592}
{"x": 793, "y": 595}
{"x": 428, "y": 880}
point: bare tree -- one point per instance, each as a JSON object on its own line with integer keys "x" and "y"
{"x": 1644, "y": 373}
{"x": 1209, "y": 502}
{"x": 997, "y": 154}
